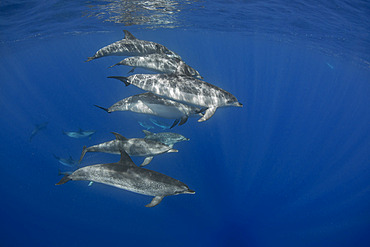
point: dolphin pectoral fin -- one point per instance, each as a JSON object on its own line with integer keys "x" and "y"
{"x": 132, "y": 70}
{"x": 91, "y": 183}
{"x": 119, "y": 137}
{"x": 84, "y": 151}
{"x": 208, "y": 114}
{"x": 156, "y": 200}
{"x": 183, "y": 120}
{"x": 171, "y": 145}
{"x": 146, "y": 161}
{"x": 122, "y": 79}
{"x": 175, "y": 123}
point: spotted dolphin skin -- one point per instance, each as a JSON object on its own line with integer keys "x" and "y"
{"x": 149, "y": 103}
{"x": 167, "y": 138}
{"x": 161, "y": 63}
{"x": 133, "y": 146}
{"x": 131, "y": 46}
{"x": 185, "y": 89}
{"x": 126, "y": 175}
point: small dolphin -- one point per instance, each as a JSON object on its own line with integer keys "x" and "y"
{"x": 134, "y": 146}
{"x": 166, "y": 138}
{"x": 185, "y": 89}
{"x": 126, "y": 175}
{"x": 80, "y": 133}
{"x": 131, "y": 46}
{"x": 37, "y": 128}
{"x": 70, "y": 162}
{"x": 160, "y": 124}
{"x": 144, "y": 124}
{"x": 149, "y": 103}
{"x": 161, "y": 63}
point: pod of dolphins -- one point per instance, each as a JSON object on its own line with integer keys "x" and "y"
{"x": 177, "y": 92}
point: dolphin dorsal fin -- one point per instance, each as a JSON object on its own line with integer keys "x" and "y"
{"x": 119, "y": 137}
{"x": 128, "y": 35}
{"x": 147, "y": 133}
{"x": 126, "y": 159}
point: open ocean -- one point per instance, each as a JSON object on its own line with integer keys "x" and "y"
{"x": 290, "y": 168}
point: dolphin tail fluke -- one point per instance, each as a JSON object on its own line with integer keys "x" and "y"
{"x": 156, "y": 200}
{"x": 105, "y": 109}
{"x": 84, "y": 150}
{"x": 64, "y": 180}
{"x": 122, "y": 79}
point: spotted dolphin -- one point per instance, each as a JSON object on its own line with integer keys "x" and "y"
{"x": 133, "y": 146}
{"x": 167, "y": 138}
{"x": 131, "y": 46}
{"x": 126, "y": 175}
{"x": 161, "y": 63}
{"x": 149, "y": 103}
{"x": 185, "y": 89}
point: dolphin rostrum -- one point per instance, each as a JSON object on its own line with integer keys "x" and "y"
{"x": 167, "y": 138}
{"x": 185, "y": 89}
{"x": 126, "y": 175}
{"x": 149, "y": 103}
{"x": 133, "y": 146}
{"x": 161, "y": 63}
{"x": 131, "y": 46}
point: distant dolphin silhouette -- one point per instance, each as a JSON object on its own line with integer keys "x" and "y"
{"x": 37, "y": 128}
{"x": 80, "y": 133}
{"x": 126, "y": 175}
{"x": 70, "y": 162}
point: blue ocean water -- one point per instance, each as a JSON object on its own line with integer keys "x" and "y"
{"x": 290, "y": 168}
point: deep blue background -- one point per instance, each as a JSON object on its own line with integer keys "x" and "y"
{"x": 290, "y": 168}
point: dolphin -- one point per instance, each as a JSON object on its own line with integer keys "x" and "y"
{"x": 134, "y": 146}
{"x": 131, "y": 46}
{"x": 70, "y": 162}
{"x": 161, "y": 63}
{"x": 37, "y": 128}
{"x": 185, "y": 89}
{"x": 160, "y": 124}
{"x": 167, "y": 138}
{"x": 142, "y": 124}
{"x": 80, "y": 133}
{"x": 149, "y": 103}
{"x": 126, "y": 175}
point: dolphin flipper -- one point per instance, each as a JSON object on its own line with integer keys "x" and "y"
{"x": 175, "y": 123}
{"x": 84, "y": 150}
{"x": 156, "y": 200}
{"x": 208, "y": 114}
{"x": 183, "y": 120}
{"x": 146, "y": 161}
